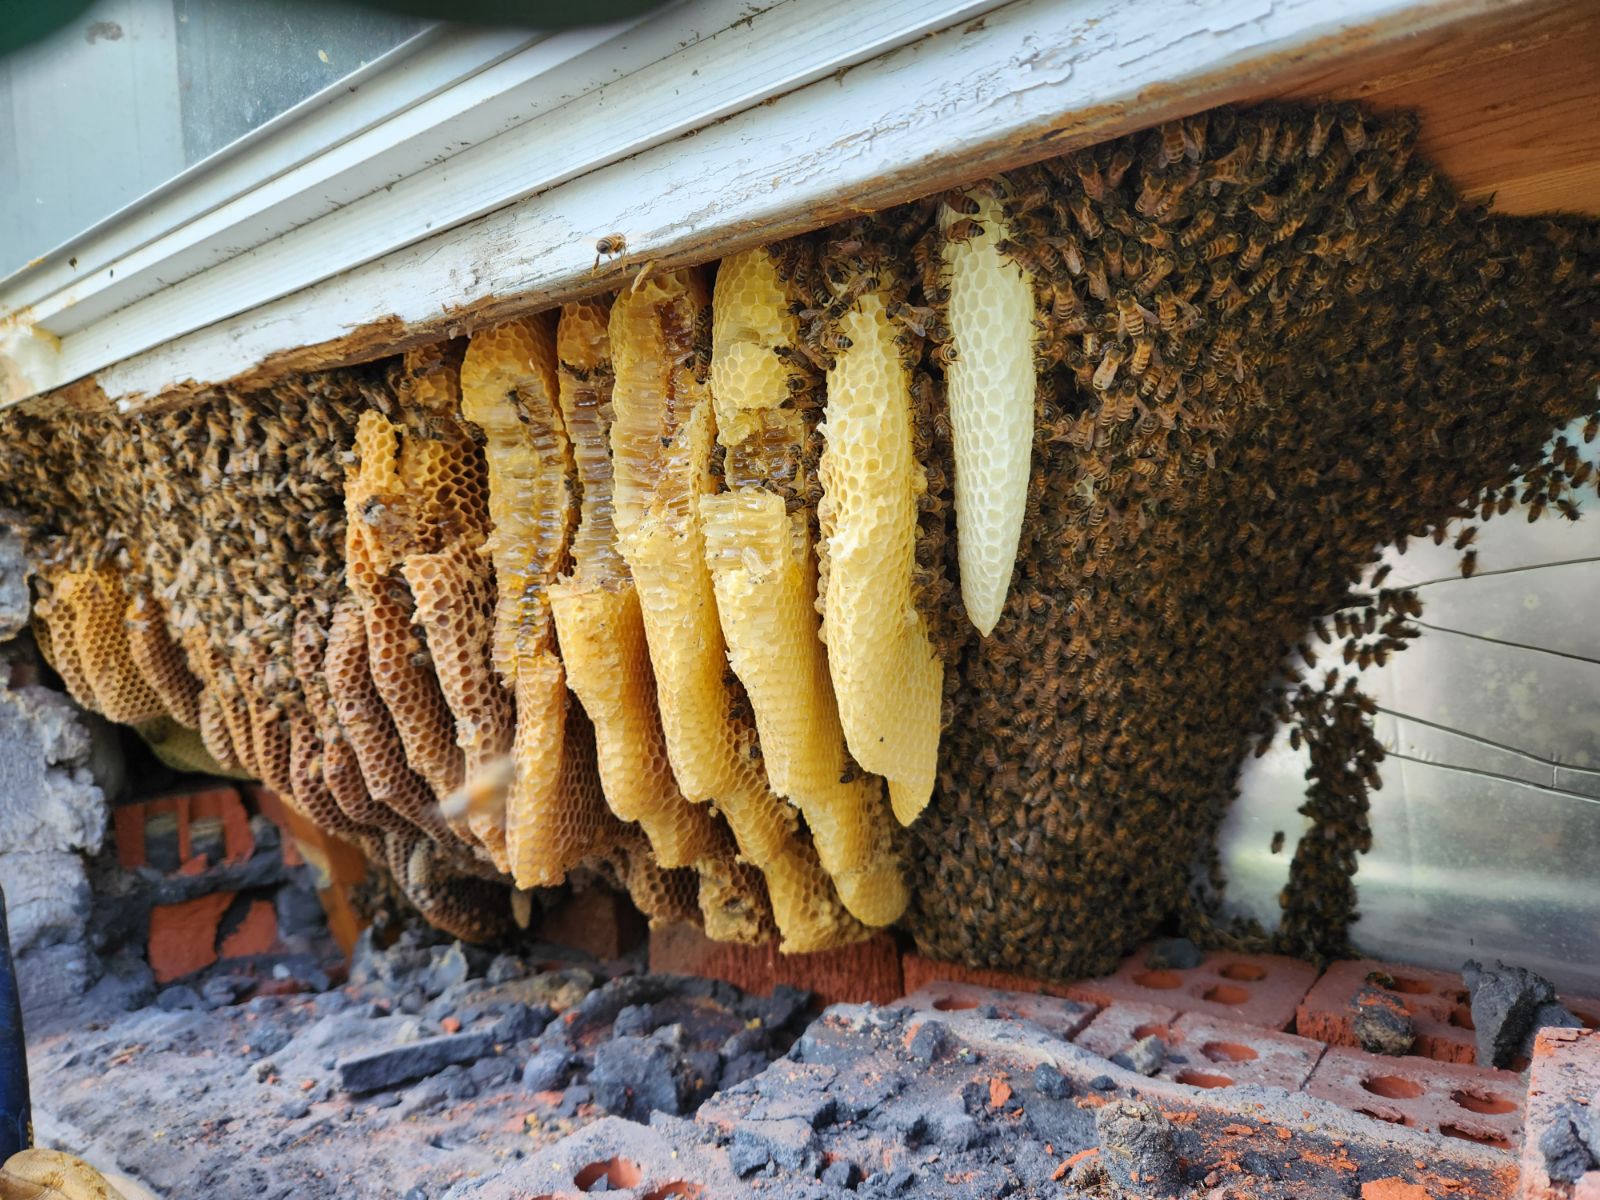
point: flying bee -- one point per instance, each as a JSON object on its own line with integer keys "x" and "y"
{"x": 609, "y": 246}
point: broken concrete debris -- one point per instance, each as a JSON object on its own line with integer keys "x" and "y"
{"x": 1381, "y": 1023}
{"x": 1510, "y": 1005}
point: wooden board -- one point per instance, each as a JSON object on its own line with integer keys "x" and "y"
{"x": 1509, "y": 93}
{"x": 1510, "y": 106}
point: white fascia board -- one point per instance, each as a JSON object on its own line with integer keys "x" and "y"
{"x": 801, "y": 114}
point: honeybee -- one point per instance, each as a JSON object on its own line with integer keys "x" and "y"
{"x": 963, "y": 230}
{"x": 609, "y": 246}
{"x": 1121, "y": 160}
{"x": 1352, "y": 128}
{"x": 958, "y": 201}
{"x": 944, "y": 354}
{"x": 1106, "y": 373}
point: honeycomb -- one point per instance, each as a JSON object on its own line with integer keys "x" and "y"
{"x": 661, "y": 439}
{"x": 379, "y": 532}
{"x": 666, "y": 895}
{"x": 213, "y": 729}
{"x": 370, "y": 732}
{"x": 886, "y": 675}
{"x": 464, "y": 906}
{"x": 509, "y": 390}
{"x": 179, "y": 747}
{"x": 559, "y": 836}
{"x": 454, "y": 597}
{"x": 764, "y": 575}
{"x": 1259, "y": 344}
{"x": 159, "y": 661}
{"x": 608, "y": 668}
{"x": 989, "y": 387}
{"x": 602, "y": 641}
{"x": 55, "y": 628}
{"x": 88, "y": 634}
{"x": 308, "y": 788}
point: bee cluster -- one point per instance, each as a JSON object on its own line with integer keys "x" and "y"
{"x": 1266, "y": 344}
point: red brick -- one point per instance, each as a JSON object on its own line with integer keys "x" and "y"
{"x": 1118, "y": 1026}
{"x": 1437, "y": 1002}
{"x": 919, "y": 972}
{"x": 1476, "y": 1104}
{"x": 183, "y": 937}
{"x": 344, "y": 922}
{"x": 866, "y": 971}
{"x": 127, "y": 821}
{"x": 256, "y": 934}
{"x": 1064, "y": 1018}
{"x": 337, "y": 861}
{"x": 597, "y": 921}
{"x": 1566, "y": 1066}
{"x": 1394, "y": 1189}
{"x": 223, "y": 804}
{"x": 1241, "y": 1054}
{"x": 1204, "y": 1052}
{"x": 1253, "y": 989}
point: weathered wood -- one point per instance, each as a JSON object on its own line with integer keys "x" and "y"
{"x": 913, "y": 107}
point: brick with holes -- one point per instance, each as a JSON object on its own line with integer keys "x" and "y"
{"x": 1436, "y": 1001}
{"x": 1064, "y": 1018}
{"x": 1117, "y": 1027}
{"x": 1254, "y": 989}
{"x": 1473, "y": 1104}
{"x": 1204, "y": 1052}
{"x": 1565, "y": 1072}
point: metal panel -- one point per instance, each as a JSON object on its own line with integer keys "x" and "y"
{"x": 1486, "y": 832}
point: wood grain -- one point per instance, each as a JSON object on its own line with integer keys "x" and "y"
{"x": 1510, "y": 106}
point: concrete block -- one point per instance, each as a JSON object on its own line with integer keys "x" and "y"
{"x": 393, "y": 1065}
{"x": 1204, "y": 1052}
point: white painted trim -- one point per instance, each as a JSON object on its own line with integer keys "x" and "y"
{"x": 799, "y": 113}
